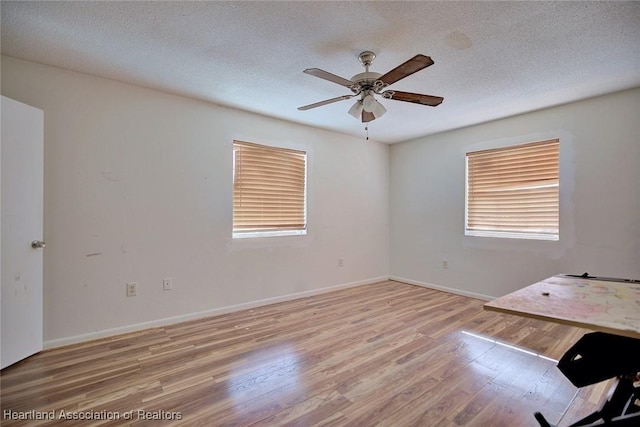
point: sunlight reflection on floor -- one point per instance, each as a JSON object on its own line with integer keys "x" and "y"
{"x": 265, "y": 369}
{"x": 494, "y": 341}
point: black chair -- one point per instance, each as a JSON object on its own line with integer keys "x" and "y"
{"x": 599, "y": 356}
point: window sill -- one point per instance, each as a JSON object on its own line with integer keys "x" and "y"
{"x": 259, "y": 234}
{"x": 508, "y": 235}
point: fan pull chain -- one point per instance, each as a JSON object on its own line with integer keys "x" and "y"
{"x": 366, "y": 128}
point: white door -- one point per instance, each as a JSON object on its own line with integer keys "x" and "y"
{"x": 21, "y": 183}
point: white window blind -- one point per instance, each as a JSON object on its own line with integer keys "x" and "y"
{"x": 513, "y": 191}
{"x": 269, "y": 190}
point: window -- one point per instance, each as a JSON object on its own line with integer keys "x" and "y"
{"x": 269, "y": 191}
{"x": 513, "y": 192}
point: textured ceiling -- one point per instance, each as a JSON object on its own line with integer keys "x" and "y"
{"x": 492, "y": 59}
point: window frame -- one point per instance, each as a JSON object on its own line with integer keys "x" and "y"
{"x": 273, "y": 231}
{"x": 551, "y": 234}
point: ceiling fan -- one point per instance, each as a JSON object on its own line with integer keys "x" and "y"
{"x": 369, "y": 84}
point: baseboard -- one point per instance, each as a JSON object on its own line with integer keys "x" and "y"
{"x": 202, "y": 314}
{"x": 442, "y": 288}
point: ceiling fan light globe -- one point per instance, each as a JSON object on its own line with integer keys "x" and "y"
{"x": 369, "y": 103}
{"x": 378, "y": 110}
{"x": 356, "y": 110}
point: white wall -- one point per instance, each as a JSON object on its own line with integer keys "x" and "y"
{"x": 599, "y": 198}
{"x": 138, "y": 188}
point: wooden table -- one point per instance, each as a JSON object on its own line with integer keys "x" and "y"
{"x": 606, "y": 305}
{"x": 611, "y": 306}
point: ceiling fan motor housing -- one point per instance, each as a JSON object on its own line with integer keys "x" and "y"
{"x": 368, "y": 77}
{"x": 364, "y": 82}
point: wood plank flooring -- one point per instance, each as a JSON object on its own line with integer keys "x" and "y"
{"x": 387, "y": 354}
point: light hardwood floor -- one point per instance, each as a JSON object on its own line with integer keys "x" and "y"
{"x": 387, "y": 354}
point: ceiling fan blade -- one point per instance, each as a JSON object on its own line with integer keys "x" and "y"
{"x": 317, "y": 72}
{"x": 325, "y": 102}
{"x": 416, "y": 98}
{"x": 411, "y": 66}
{"x": 367, "y": 117}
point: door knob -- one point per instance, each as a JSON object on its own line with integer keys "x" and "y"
{"x": 36, "y": 244}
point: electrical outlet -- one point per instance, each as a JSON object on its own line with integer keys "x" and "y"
{"x": 445, "y": 264}
{"x": 132, "y": 289}
{"x": 167, "y": 283}
{"x": 340, "y": 263}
